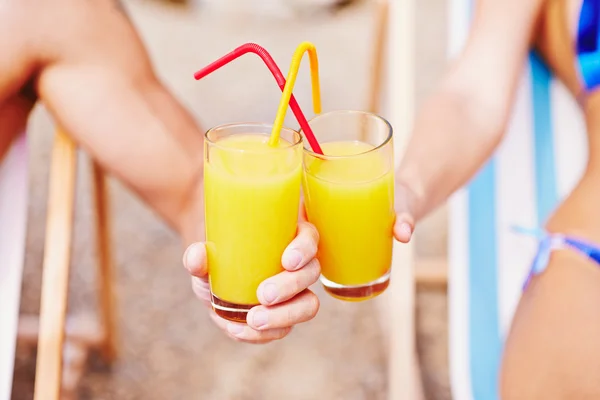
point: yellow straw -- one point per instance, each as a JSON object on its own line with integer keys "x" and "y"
{"x": 289, "y": 87}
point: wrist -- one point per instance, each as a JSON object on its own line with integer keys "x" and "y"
{"x": 190, "y": 218}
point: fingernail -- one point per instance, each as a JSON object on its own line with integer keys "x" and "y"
{"x": 191, "y": 256}
{"x": 259, "y": 319}
{"x": 235, "y": 329}
{"x": 406, "y": 228}
{"x": 269, "y": 292}
{"x": 292, "y": 259}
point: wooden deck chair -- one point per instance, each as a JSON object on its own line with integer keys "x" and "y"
{"x": 63, "y": 346}
{"x": 539, "y": 161}
{"x": 13, "y": 221}
{"x": 394, "y": 57}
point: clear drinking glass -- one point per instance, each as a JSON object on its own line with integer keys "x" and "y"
{"x": 252, "y": 194}
{"x": 349, "y": 195}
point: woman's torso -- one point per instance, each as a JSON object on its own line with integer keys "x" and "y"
{"x": 568, "y": 38}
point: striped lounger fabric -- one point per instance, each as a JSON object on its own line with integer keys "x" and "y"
{"x": 537, "y": 164}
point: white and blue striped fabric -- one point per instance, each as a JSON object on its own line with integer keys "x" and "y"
{"x": 13, "y": 221}
{"x": 538, "y": 163}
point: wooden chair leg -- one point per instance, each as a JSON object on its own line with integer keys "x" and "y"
{"x": 432, "y": 273}
{"x": 75, "y": 357}
{"x": 106, "y": 295}
{"x": 419, "y": 390}
{"x": 379, "y": 53}
{"x": 55, "y": 280}
{"x": 404, "y": 380}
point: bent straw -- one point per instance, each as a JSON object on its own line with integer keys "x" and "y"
{"x": 279, "y": 78}
{"x": 291, "y": 81}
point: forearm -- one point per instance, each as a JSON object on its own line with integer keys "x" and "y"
{"x": 459, "y": 127}
{"x": 146, "y": 139}
{"x": 451, "y": 140}
{"x": 184, "y": 207}
{"x": 163, "y": 164}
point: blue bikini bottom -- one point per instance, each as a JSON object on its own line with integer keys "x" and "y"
{"x": 556, "y": 241}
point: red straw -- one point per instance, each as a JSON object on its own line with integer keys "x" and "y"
{"x": 268, "y": 60}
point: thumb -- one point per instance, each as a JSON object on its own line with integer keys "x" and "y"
{"x": 195, "y": 260}
{"x": 404, "y": 227}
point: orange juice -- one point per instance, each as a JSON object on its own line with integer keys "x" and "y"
{"x": 350, "y": 201}
{"x": 252, "y": 193}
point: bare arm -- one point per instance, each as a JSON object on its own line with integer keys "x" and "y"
{"x": 102, "y": 90}
{"x": 461, "y": 124}
{"x": 145, "y": 138}
{"x": 90, "y": 70}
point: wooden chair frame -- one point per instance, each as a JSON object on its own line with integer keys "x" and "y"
{"x": 64, "y": 345}
{"x": 394, "y": 41}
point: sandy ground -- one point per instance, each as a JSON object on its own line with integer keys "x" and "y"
{"x": 169, "y": 348}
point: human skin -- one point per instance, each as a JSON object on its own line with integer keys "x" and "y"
{"x": 85, "y": 62}
{"x": 552, "y": 351}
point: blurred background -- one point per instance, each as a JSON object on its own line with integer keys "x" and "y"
{"x": 169, "y": 347}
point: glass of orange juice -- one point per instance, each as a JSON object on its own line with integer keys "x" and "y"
{"x": 252, "y": 194}
{"x": 349, "y": 195}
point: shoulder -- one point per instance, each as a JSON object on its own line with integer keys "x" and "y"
{"x": 556, "y": 39}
